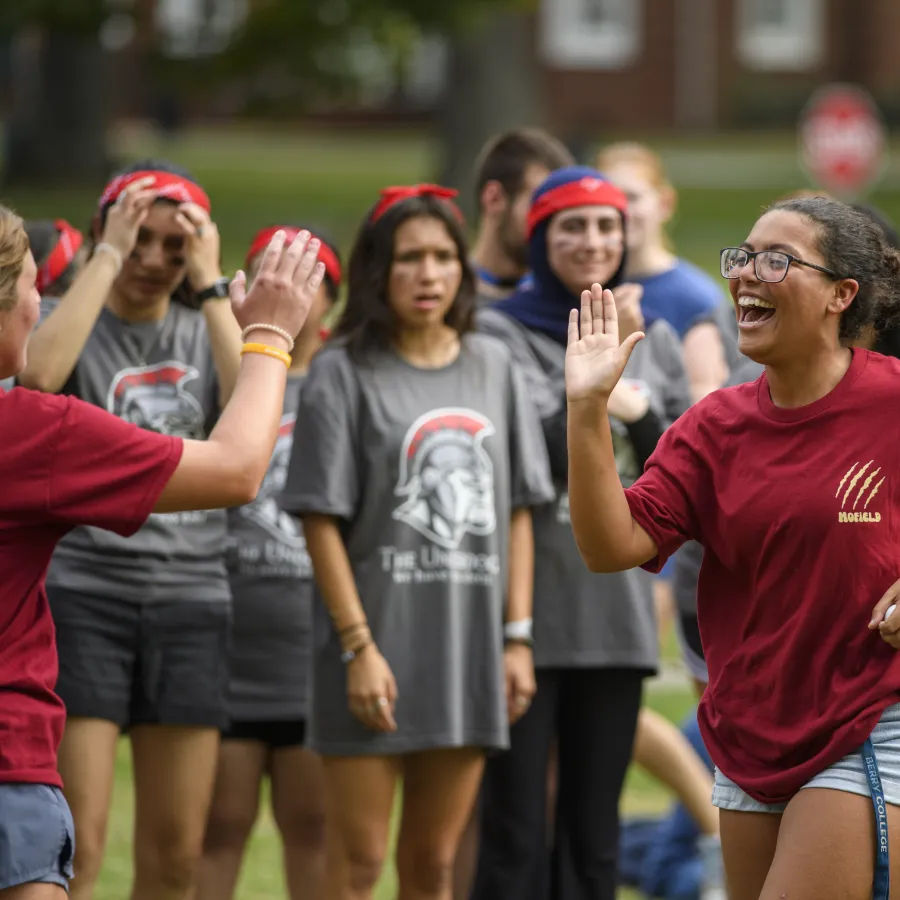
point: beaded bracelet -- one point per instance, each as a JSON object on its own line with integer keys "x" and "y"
{"x": 275, "y": 329}
{"x": 267, "y": 350}
{"x": 103, "y": 247}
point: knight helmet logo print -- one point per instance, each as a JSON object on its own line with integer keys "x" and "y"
{"x": 851, "y": 493}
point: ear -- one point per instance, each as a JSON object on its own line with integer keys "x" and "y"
{"x": 845, "y": 292}
{"x": 668, "y": 203}
{"x": 493, "y": 199}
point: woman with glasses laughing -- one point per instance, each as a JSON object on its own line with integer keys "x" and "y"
{"x": 791, "y": 485}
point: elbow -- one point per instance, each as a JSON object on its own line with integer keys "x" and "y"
{"x": 37, "y": 380}
{"x": 246, "y": 485}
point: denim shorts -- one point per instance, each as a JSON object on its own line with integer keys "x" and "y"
{"x": 846, "y": 774}
{"x": 37, "y": 836}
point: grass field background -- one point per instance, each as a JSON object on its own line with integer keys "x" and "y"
{"x": 257, "y": 177}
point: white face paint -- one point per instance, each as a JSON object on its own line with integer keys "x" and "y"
{"x": 585, "y": 245}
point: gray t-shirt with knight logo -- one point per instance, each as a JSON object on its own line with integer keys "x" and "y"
{"x": 159, "y": 375}
{"x": 583, "y": 619}
{"x": 271, "y": 587}
{"x": 422, "y": 468}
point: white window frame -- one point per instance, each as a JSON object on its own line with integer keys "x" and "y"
{"x": 569, "y": 41}
{"x": 797, "y": 46}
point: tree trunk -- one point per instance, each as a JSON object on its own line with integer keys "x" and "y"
{"x": 60, "y": 109}
{"x": 493, "y": 83}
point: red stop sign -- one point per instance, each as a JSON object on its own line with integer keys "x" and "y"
{"x": 842, "y": 139}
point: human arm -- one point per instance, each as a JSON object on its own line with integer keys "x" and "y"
{"x": 58, "y": 341}
{"x": 518, "y": 659}
{"x": 371, "y": 686}
{"x": 202, "y": 251}
{"x": 608, "y": 538}
{"x": 228, "y": 468}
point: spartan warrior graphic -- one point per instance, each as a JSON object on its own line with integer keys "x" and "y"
{"x": 154, "y": 398}
{"x": 447, "y": 477}
{"x": 264, "y": 510}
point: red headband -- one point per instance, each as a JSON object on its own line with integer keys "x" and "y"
{"x": 61, "y": 256}
{"x": 584, "y": 192}
{"x": 166, "y": 185}
{"x": 392, "y": 195}
{"x": 326, "y": 254}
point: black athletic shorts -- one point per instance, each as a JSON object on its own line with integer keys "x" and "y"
{"x": 276, "y": 735}
{"x": 159, "y": 664}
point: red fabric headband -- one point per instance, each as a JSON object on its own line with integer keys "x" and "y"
{"x": 61, "y": 256}
{"x": 326, "y": 254}
{"x": 584, "y": 192}
{"x": 392, "y": 195}
{"x": 167, "y": 185}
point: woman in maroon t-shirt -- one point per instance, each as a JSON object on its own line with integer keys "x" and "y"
{"x": 67, "y": 463}
{"x": 790, "y": 485}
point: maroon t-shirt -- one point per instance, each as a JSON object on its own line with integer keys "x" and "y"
{"x": 797, "y": 511}
{"x": 64, "y": 463}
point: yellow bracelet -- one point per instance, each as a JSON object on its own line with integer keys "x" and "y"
{"x": 267, "y": 350}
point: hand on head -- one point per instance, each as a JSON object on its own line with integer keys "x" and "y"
{"x": 201, "y": 245}
{"x": 125, "y": 217}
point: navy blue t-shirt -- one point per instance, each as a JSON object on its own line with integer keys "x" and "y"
{"x": 683, "y": 296}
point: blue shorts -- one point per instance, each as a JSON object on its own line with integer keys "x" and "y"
{"x": 37, "y": 836}
{"x": 846, "y": 774}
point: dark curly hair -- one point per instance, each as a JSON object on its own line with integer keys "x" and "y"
{"x": 367, "y": 321}
{"x": 854, "y": 246}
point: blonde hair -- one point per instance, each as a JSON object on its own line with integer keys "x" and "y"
{"x": 630, "y": 153}
{"x": 13, "y": 249}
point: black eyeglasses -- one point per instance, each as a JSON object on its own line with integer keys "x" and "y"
{"x": 770, "y": 266}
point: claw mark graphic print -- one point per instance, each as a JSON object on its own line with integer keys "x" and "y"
{"x": 857, "y": 489}
{"x": 446, "y": 477}
{"x": 154, "y": 398}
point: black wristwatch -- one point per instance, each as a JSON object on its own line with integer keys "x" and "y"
{"x": 218, "y": 290}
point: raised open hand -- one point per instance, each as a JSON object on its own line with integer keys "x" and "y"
{"x": 285, "y": 285}
{"x": 594, "y": 357}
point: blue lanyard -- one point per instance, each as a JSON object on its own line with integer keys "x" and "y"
{"x": 881, "y": 886}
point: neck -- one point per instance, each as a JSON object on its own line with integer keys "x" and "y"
{"x": 649, "y": 259}
{"x": 304, "y": 349}
{"x": 153, "y": 312}
{"x": 428, "y": 348}
{"x": 801, "y": 381}
{"x": 488, "y": 253}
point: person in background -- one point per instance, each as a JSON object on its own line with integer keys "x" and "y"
{"x": 509, "y": 168}
{"x": 143, "y": 622}
{"x": 271, "y": 585}
{"x": 674, "y": 289}
{"x": 595, "y": 635}
{"x": 59, "y": 250}
{"x": 69, "y": 464}
{"x": 416, "y": 462}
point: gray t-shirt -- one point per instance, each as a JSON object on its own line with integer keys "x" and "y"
{"x": 690, "y": 557}
{"x": 423, "y": 469}
{"x": 159, "y": 375}
{"x": 582, "y": 619}
{"x": 271, "y": 588}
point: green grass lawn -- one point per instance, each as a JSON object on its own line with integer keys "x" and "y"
{"x": 259, "y": 176}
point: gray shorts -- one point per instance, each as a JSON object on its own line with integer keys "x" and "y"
{"x": 846, "y": 774}
{"x": 37, "y": 836}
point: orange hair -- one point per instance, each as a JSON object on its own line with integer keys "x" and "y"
{"x": 630, "y": 153}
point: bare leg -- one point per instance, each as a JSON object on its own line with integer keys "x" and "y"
{"x": 232, "y": 815}
{"x": 87, "y": 763}
{"x": 298, "y": 803}
{"x": 826, "y": 848}
{"x": 174, "y": 773}
{"x": 34, "y": 892}
{"x": 360, "y": 799}
{"x": 439, "y": 791}
{"x": 661, "y": 749}
{"x": 748, "y": 847}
